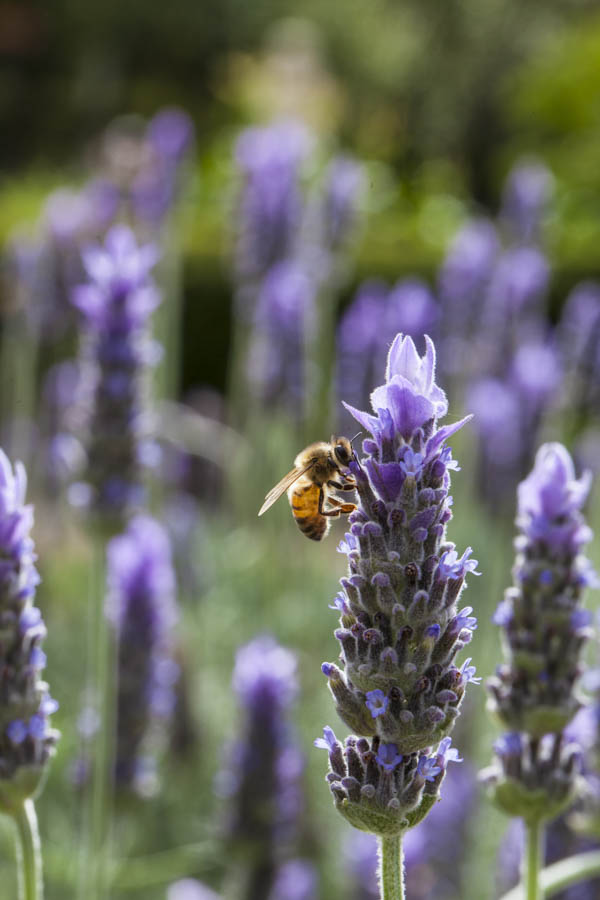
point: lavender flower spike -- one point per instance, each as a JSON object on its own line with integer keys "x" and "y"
{"x": 26, "y": 739}
{"x": 544, "y": 629}
{"x": 400, "y": 628}
{"x": 116, "y": 354}
{"x": 264, "y": 767}
{"x": 544, "y": 625}
{"x": 141, "y": 606}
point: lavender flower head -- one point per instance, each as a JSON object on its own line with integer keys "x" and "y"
{"x": 526, "y": 194}
{"x": 141, "y": 607}
{"x": 344, "y": 181}
{"x": 270, "y": 203}
{"x": 263, "y": 770}
{"x": 26, "y": 739}
{"x": 544, "y": 629}
{"x": 116, "y": 355}
{"x": 401, "y": 627}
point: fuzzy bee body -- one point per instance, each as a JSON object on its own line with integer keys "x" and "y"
{"x": 311, "y": 486}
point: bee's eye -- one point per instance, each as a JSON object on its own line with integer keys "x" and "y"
{"x": 342, "y": 453}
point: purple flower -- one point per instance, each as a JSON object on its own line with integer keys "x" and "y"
{"x": 428, "y": 768}
{"x": 141, "y": 606}
{"x": 550, "y": 500}
{"x": 377, "y": 702}
{"x": 467, "y": 672}
{"x": 26, "y": 739}
{"x": 328, "y": 741}
{"x": 410, "y": 397}
{"x": 451, "y": 566}
{"x": 388, "y": 757}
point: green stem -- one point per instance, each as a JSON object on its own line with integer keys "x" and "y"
{"x": 391, "y": 868}
{"x": 534, "y": 859}
{"x": 561, "y": 875}
{"x": 29, "y": 853}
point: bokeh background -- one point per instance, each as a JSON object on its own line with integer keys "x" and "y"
{"x": 469, "y": 208}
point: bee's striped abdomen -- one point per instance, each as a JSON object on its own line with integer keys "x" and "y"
{"x": 304, "y": 500}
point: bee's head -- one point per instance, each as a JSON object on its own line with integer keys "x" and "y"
{"x": 342, "y": 451}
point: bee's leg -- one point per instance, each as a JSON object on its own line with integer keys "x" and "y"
{"x": 331, "y": 513}
{"x": 345, "y": 508}
{"x": 349, "y": 483}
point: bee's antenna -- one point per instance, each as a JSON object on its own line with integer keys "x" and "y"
{"x": 358, "y": 434}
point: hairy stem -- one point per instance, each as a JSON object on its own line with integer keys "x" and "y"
{"x": 391, "y": 868}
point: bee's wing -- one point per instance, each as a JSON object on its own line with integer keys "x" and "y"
{"x": 282, "y": 486}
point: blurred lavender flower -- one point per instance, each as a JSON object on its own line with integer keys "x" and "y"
{"x": 141, "y": 607}
{"x": 508, "y": 414}
{"x": 283, "y": 322}
{"x": 116, "y": 355}
{"x": 527, "y": 193}
{"x": 27, "y": 740}
{"x": 342, "y": 188}
{"x": 410, "y": 309}
{"x": 62, "y": 456}
{"x": 296, "y": 880}
{"x": 263, "y": 771}
{"x": 463, "y": 281}
{"x": 171, "y": 133}
{"x": 579, "y": 333}
{"x": 190, "y": 889}
{"x": 270, "y": 204}
{"x": 154, "y": 189}
{"x": 358, "y": 343}
{"x": 544, "y": 629}
{"x": 400, "y": 625}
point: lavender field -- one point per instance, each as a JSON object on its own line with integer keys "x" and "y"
{"x": 225, "y": 246}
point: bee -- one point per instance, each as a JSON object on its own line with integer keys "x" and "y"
{"x": 317, "y": 473}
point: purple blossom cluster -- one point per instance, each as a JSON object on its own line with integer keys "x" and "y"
{"x": 399, "y": 688}
{"x": 544, "y": 629}
{"x": 263, "y": 772}
{"x": 27, "y": 739}
{"x": 142, "y": 608}
{"x": 117, "y": 353}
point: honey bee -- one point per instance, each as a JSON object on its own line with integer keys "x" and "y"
{"x": 310, "y": 486}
